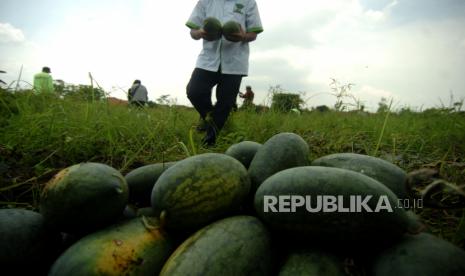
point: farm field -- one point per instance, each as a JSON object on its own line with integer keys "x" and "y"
{"x": 41, "y": 135}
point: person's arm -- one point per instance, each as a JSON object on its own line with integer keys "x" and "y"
{"x": 253, "y": 22}
{"x": 194, "y": 23}
{"x": 50, "y": 84}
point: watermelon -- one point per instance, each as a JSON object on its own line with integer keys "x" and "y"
{"x": 422, "y": 254}
{"x": 311, "y": 262}
{"x": 364, "y": 210}
{"x": 135, "y": 247}
{"x": 231, "y": 27}
{"x": 238, "y": 245}
{"x": 25, "y": 240}
{"x": 280, "y": 152}
{"x": 212, "y": 26}
{"x": 129, "y": 212}
{"x": 383, "y": 171}
{"x": 141, "y": 180}
{"x": 200, "y": 189}
{"x": 84, "y": 197}
{"x": 244, "y": 152}
{"x": 416, "y": 224}
{"x": 147, "y": 211}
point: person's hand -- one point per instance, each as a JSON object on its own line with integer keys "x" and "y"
{"x": 201, "y": 34}
{"x": 236, "y": 37}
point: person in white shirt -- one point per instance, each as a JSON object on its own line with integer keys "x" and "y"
{"x": 222, "y": 62}
{"x": 137, "y": 94}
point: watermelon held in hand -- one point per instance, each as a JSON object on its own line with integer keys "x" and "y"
{"x": 230, "y": 28}
{"x": 84, "y": 197}
{"x": 212, "y": 26}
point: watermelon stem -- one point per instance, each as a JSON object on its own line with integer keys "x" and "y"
{"x": 163, "y": 216}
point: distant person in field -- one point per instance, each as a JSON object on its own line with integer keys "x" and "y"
{"x": 247, "y": 96}
{"x": 43, "y": 82}
{"x": 137, "y": 94}
{"x": 223, "y": 61}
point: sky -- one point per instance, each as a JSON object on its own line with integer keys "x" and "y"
{"x": 411, "y": 51}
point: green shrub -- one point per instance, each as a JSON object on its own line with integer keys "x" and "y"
{"x": 284, "y": 102}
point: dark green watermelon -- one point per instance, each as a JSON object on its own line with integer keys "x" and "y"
{"x": 84, "y": 197}
{"x": 231, "y": 27}
{"x": 141, "y": 180}
{"x": 311, "y": 263}
{"x": 239, "y": 245}
{"x": 383, "y": 171}
{"x": 212, "y": 26}
{"x": 422, "y": 254}
{"x": 26, "y": 241}
{"x": 200, "y": 189}
{"x": 280, "y": 152}
{"x": 244, "y": 152}
{"x": 375, "y": 221}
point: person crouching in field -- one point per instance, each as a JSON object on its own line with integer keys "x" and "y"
{"x": 223, "y": 61}
{"x": 43, "y": 82}
{"x": 137, "y": 94}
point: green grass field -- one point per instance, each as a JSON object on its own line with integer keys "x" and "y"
{"x": 41, "y": 135}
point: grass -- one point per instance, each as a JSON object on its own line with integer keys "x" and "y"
{"x": 41, "y": 135}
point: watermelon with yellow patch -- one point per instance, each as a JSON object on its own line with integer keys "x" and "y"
{"x": 136, "y": 247}
{"x": 84, "y": 197}
{"x": 200, "y": 189}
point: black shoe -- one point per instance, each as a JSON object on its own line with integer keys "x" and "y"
{"x": 210, "y": 138}
{"x": 202, "y": 125}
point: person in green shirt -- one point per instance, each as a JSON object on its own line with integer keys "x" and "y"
{"x": 43, "y": 82}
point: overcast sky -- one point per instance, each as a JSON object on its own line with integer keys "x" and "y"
{"x": 410, "y": 50}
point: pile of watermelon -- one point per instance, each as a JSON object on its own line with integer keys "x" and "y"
{"x": 250, "y": 211}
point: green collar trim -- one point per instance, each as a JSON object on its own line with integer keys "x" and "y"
{"x": 255, "y": 30}
{"x": 192, "y": 25}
